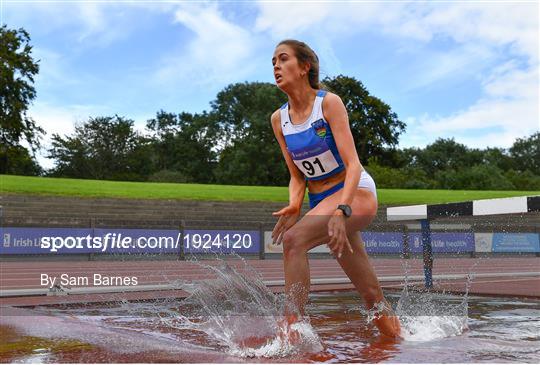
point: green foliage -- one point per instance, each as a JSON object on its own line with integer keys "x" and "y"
{"x": 525, "y": 153}
{"x": 447, "y": 164}
{"x": 487, "y": 176}
{"x": 237, "y": 165}
{"x": 477, "y": 177}
{"x": 417, "y": 179}
{"x": 406, "y": 177}
{"x": 17, "y": 71}
{"x": 20, "y": 161}
{"x": 185, "y": 143}
{"x": 523, "y": 180}
{"x": 497, "y": 157}
{"x": 386, "y": 177}
{"x": 374, "y": 126}
{"x": 102, "y": 148}
{"x": 442, "y": 155}
{"x": 251, "y": 154}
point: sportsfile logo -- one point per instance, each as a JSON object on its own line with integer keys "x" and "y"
{"x": 109, "y": 241}
{"x": 7, "y": 239}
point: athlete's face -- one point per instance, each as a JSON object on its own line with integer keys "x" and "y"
{"x": 287, "y": 71}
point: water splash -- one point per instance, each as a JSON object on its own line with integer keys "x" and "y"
{"x": 426, "y": 315}
{"x": 236, "y": 309}
{"x": 239, "y": 311}
{"x": 244, "y": 318}
{"x": 376, "y": 311}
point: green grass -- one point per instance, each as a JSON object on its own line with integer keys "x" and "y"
{"x": 144, "y": 190}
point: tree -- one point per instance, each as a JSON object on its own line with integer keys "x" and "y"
{"x": 21, "y": 162}
{"x": 249, "y": 152}
{"x": 17, "y": 71}
{"x": 476, "y": 177}
{"x": 443, "y": 154}
{"x": 523, "y": 180}
{"x": 375, "y": 128}
{"x": 498, "y": 157}
{"x": 525, "y": 153}
{"x": 103, "y": 148}
{"x": 184, "y": 144}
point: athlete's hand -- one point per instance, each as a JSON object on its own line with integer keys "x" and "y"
{"x": 287, "y": 218}
{"x": 338, "y": 234}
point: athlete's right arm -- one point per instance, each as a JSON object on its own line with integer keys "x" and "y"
{"x": 297, "y": 184}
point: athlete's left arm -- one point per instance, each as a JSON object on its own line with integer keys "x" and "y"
{"x": 336, "y": 115}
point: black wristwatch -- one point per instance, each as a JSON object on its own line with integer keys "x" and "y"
{"x": 346, "y": 209}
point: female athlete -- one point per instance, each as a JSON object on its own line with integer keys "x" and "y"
{"x": 314, "y": 135}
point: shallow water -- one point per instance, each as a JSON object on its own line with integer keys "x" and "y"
{"x": 234, "y": 317}
{"x": 498, "y": 330}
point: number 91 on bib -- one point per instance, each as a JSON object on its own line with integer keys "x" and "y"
{"x": 318, "y": 165}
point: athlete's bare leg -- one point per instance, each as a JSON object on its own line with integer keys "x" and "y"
{"x": 312, "y": 230}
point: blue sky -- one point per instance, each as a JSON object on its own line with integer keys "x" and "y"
{"x": 462, "y": 69}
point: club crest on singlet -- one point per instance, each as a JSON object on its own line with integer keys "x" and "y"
{"x": 311, "y": 144}
{"x": 320, "y": 128}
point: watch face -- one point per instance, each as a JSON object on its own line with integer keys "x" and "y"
{"x": 347, "y": 211}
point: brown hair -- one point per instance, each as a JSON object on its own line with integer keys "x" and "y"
{"x": 305, "y": 55}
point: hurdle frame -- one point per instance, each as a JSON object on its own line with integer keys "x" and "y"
{"x": 483, "y": 207}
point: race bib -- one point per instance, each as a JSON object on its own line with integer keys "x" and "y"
{"x": 316, "y": 160}
{"x": 318, "y": 165}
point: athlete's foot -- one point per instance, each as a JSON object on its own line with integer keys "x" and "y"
{"x": 285, "y": 330}
{"x": 387, "y": 322}
{"x": 388, "y": 325}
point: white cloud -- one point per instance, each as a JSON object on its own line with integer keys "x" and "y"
{"x": 285, "y": 20}
{"x": 493, "y": 43}
{"x": 60, "y": 120}
{"x": 509, "y": 109}
{"x": 281, "y": 20}
{"x": 53, "y": 70}
{"x": 497, "y": 24}
{"x": 88, "y": 24}
{"x": 219, "y": 52}
{"x": 502, "y": 23}
{"x": 496, "y": 44}
{"x": 462, "y": 62}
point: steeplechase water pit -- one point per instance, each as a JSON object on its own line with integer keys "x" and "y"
{"x": 233, "y": 316}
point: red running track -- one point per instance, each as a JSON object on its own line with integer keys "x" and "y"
{"x": 520, "y": 277}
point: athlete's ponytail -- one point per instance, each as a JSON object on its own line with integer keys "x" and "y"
{"x": 306, "y": 55}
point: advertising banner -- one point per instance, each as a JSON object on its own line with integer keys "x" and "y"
{"x": 383, "y": 242}
{"x": 444, "y": 242}
{"x": 483, "y": 242}
{"x": 25, "y": 241}
{"x": 375, "y": 242}
{"x": 515, "y": 242}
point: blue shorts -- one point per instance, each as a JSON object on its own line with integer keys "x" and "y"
{"x": 366, "y": 182}
{"x": 315, "y": 199}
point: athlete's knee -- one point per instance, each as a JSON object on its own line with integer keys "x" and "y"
{"x": 292, "y": 244}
